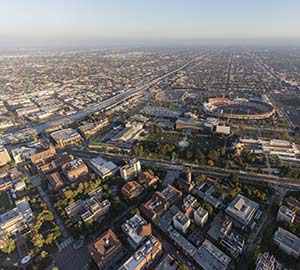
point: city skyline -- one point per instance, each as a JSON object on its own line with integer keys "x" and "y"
{"x": 102, "y": 23}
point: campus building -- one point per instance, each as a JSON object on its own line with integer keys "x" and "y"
{"x": 65, "y": 137}
{"x": 106, "y": 250}
{"x": 287, "y": 242}
{"x": 137, "y": 230}
{"x": 242, "y": 210}
{"x": 131, "y": 170}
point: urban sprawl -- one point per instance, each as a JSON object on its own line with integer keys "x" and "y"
{"x": 161, "y": 159}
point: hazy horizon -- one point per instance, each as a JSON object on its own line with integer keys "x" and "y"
{"x": 91, "y": 23}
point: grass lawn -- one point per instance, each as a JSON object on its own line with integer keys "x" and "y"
{"x": 210, "y": 143}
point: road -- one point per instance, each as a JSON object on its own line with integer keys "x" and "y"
{"x": 254, "y": 178}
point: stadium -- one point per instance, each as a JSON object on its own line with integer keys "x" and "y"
{"x": 240, "y": 108}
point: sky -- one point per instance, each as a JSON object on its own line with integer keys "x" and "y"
{"x": 96, "y": 22}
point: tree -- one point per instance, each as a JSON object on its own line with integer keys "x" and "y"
{"x": 134, "y": 211}
{"x": 214, "y": 155}
{"x": 38, "y": 240}
{"x": 44, "y": 254}
{"x": 182, "y": 267}
{"x": 208, "y": 207}
{"x": 234, "y": 179}
{"x": 210, "y": 163}
{"x": 8, "y": 246}
{"x": 47, "y": 215}
{"x": 200, "y": 179}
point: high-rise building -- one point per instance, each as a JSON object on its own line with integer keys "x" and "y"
{"x": 200, "y": 216}
{"x": 130, "y": 170}
{"x": 285, "y": 214}
{"x": 181, "y": 222}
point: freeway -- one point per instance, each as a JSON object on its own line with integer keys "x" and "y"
{"x": 254, "y": 178}
{"x": 108, "y": 103}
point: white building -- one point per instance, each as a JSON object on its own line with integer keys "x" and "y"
{"x": 181, "y": 222}
{"x": 130, "y": 170}
{"x": 285, "y": 214}
{"x": 223, "y": 129}
{"x": 102, "y": 167}
{"x": 242, "y": 209}
{"x": 200, "y": 216}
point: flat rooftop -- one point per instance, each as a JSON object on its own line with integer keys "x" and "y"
{"x": 287, "y": 238}
{"x": 242, "y": 209}
{"x": 64, "y": 134}
{"x": 209, "y": 257}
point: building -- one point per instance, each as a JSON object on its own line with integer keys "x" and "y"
{"x": 239, "y": 108}
{"x": 233, "y": 243}
{"x": 74, "y": 169}
{"x": 131, "y": 170}
{"x": 205, "y": 191}
{"x": 160, "y": 202}
{"x": 4, "y": 156}
{"x": 147, "y": 179}
{"x": 223, "y": 129}
{"x": 266, "y": 261}
{"x": 20, "y": 185}
{"x": 94, "y": 209}
{"x": 65, "y": 137}
{"x": 54, "y": 163}
{"x": 293, "y": 203}
{"x": 102, "y": 167}
{"x": 188, "y": 205}
{"x": 43, "y": 157}
{"x": 167, "y": 263}
{"x": 287, "y": 152}
{"x": 130, "y": 131}
{"x": 181, "y": 222}
{"x": 181, "y": 242}
{"x": 132, "y": 190}
{"x": 22, "y": 154}
{"x": 144, "y": 256}
{"x": 137, "y": 230}
{"x": 107, "y": 250}
{"x": 17, "y": 219}
{"x": 189, "y": 123}
{"x": 242, "y": 209}
{"x": 55, "y": 181}
{"x": 89, "y": 129}
{"x": 285, "y": 214}
{"x": 74, "y": 210}
{"x": 200, "y": 216}
{"x": 88, "y": 210}
{"x": 287, "y": 242}
{"x": 209, "y": 257}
